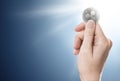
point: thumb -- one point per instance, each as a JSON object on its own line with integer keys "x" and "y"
{"x": 89, "y": 35}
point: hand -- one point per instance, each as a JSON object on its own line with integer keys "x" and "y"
{"x": 92, "y": 48}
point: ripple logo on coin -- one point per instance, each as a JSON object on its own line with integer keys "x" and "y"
{"x": 90, "y": 14}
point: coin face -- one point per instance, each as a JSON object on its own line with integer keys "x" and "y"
{"x": 90, "y": 14}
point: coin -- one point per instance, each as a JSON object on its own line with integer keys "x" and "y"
{"x": 90, "y": 14}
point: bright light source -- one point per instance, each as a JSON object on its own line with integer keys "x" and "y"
{"x": 109, "y": 13}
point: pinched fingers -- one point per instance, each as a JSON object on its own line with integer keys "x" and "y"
{"x": 78, "y": 41}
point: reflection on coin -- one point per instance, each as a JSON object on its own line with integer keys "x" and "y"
{"x": 90, "y": 14}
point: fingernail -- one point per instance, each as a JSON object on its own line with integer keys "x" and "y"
{"x": 90, "y": 24}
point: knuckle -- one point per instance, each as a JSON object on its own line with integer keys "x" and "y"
{"x": 110, "y": 43}
{"x": 79, "y": 35}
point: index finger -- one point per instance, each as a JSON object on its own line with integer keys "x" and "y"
{"x": 80, "y": 27}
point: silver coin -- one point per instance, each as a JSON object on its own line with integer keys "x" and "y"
{"x": 90, "y": 14}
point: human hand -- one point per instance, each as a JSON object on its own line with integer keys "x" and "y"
{"x": 92, "y": 48}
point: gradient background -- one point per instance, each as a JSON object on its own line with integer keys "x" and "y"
{"x": 37, "y": 39}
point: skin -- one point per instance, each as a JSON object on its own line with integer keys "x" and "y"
{"x": 92, "y": 48}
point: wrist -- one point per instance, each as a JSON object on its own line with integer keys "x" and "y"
{"x": 90, "y": 77}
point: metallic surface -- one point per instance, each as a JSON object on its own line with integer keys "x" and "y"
{"x": 90, "y": 14}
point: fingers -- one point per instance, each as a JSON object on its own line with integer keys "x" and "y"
{"x": 89, "y": 36}
{"x": 78, "y": 42}
{"x": 79, "y": 37}
{"x": 80, "y": 27}
{"x": 76, "y": 51}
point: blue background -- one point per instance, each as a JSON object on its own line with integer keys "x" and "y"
{"x": 29, "y": 52}
{"x": 32, "y": 51}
